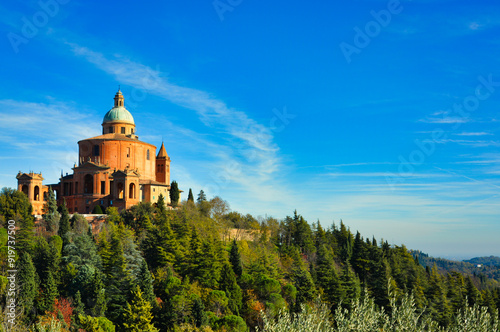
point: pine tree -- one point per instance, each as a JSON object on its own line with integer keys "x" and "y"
{"x": 174, "y": 194}
{"x": 48, "y": 294}
{"x": 145, "y": 282}
{"x": 235, "y": 259}
{"x": 198, "y": 312}
{"x": 327, "y": 277}
{"x": 26, "y": 278}
{"x": 228, "y": 284}
{"x": 190, "y": 196}
{"x": 97, "y": 296}
{"x": 137, "y": 315}
{"x": 201, "y": 197}
{"x": 350, "y": 284}
{"x": 117, "y": 279}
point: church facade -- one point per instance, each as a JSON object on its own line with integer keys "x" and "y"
{"x": 114, "y": 169}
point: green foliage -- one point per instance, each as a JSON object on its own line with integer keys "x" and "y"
{"x": 51, "y": 216}
{"x": 15, "y": 205}
{"x": 160, "y": 204}
{"x": 174, "y": 194}
{"x": 28, "y": 290}
{"x": 137, "y": 316}
{"x": 95, "y": 324}
{"x": 235, "y": 259}
{"x": 231, "y": 323}
{"x": 97, "y": 210}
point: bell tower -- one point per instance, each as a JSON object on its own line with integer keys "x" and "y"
{"x": 163, "y": 166}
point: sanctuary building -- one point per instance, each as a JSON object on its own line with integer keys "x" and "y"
{"x": 114, "y": 169}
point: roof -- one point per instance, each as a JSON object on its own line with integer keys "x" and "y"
{"x": 118, "y": 114}
{"x": 162, "y": 153}
{"x": 115, "y": 137}
{"x": 154, "y": 183}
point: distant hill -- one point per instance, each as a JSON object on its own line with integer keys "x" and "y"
{"x": 485, "y": 261}
{"x": 482, "y": 267}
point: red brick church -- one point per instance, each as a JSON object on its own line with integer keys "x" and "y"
{"x": 114, "y": 169}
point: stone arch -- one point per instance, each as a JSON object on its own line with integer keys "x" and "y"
{"x": 119, "y": 188}
{"x": 88, "y": 184}
{"x": 36, "y": 193}
{"x": 25, "y": 190}
{"x": 131, "y": 190}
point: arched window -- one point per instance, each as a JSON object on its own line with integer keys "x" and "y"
{"x": 120, "y": 190}
{"x": 131, "y": 190}
{"x": 88, "y": 184}
{"x": 24, "y": 189}
{"x": 37, "y": 193}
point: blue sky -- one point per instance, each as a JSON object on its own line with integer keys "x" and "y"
{"x": 379, "y": 113}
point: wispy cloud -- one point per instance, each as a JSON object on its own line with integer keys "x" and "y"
{"x": 251, "y": 150}
{"x": 481, "y": 133}
{"x": 472, "y": 143}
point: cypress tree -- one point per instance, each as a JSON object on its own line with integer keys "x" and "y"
{"x": 190, "y": 196}
{"x": 235, "y": 259}
{"x": 97, "y": 296}
{"x": 174, "y": 194}
{"x": 64, "y": 225}
{"x": 137, "y": 315}
{"x": 161, "y": 204}
{"x": 51, "y": 216}
{"x": 26, "y": 278}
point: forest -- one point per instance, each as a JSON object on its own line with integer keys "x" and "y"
{"x": 203, "y": 267}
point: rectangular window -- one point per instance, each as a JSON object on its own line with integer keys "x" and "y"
{"x": 123, "y": 130}
{"x": 76, "y": 187}
{"x": 103, "y": 187}
{"x": 147, "y": 154}
{"x": 111, "y": 190}
{"x": 128, "y": 152}
{"x": 96, "y": 150}
{"x": 111, "y": 130}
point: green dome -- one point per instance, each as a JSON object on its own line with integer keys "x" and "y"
{"x": 118, "y": 114}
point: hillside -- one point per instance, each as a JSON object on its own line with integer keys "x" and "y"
{"x": 487, "y": 274}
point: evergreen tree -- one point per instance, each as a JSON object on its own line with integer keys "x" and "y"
{"x": 190, "y": 196}
{"x": 26, "y": 279}
{"x": 350, "y": 284}
{"x": 228, "y": 284}
{"x": 235, "y": 259}
{"x": 327, "y": 277}
{"x": 51, "y": 216}
{"x": 48, "y": 294}
{"x": 97, "y": 296}
{"x": 174, "y": 194}
{"x": 15, "y": 205}
{"x": 64, "y": 224}
{"x": 78, "y": 310}
{"x": 145, "y": 283}
{"x": 97, "y": 210}
{"x": 201, "y": 197}
{"x": 198, "y": 312}
{"x": 160, "y": 205}
{"x": 473, "y": 295}
{"x": 117, "y": 279}
{"x": 137, "y": 315}
{"x": 302, "y": 280}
